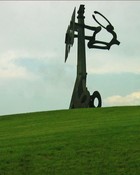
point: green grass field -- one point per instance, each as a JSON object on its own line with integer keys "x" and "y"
{"x": 101, "y": 141}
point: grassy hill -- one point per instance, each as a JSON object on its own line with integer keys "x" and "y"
{"x": 103, "y": 141}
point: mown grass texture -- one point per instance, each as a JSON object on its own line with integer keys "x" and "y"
{"x": 101, "y": 141}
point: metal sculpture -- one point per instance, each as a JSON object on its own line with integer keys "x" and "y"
{"x": 81, "y": 97}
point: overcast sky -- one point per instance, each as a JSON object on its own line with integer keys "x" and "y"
{"x": 33, "y": 75}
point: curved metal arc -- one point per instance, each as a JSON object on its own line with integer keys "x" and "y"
{"x": 96, "y": 12}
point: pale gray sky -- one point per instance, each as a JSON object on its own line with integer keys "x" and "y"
{"x": 33, "y": 75}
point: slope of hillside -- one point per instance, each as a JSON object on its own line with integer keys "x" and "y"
{"x": 103, "y": 141}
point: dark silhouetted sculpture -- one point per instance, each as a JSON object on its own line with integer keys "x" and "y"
{"x": 81, "y": 97}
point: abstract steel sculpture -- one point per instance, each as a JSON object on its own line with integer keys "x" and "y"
{"x": 81, "y": 97}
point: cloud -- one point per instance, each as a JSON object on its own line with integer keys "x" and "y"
{"x": 117, "y": 100}
{"x": 30, "y": 82}
{"x": 9, "y": 68}
{"x": 102, "y": 63}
